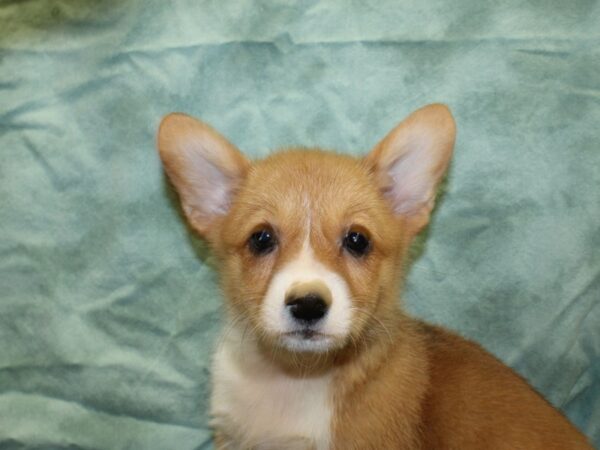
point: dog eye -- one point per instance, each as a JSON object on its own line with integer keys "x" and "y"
{"x": 356, "y": 243}
{"x": 262, "y": 242}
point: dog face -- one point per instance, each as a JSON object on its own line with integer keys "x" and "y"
{"x": 307, "y": 244}
{"x": 310, "y": 243}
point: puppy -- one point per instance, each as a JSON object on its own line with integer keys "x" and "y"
{"x": 316, "y": 352}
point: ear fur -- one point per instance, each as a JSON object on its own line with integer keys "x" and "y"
{"x": 203, "y": 166}
{"x": 411, "y": 160}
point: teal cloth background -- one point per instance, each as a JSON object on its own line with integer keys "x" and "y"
{"x": 108, "y": 305}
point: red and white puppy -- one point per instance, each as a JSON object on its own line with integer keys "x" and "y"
{"x": 317, "y": 353}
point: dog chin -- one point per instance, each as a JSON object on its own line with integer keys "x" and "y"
{"x": 308, "y": 341}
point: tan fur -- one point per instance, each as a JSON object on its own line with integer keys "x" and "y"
{"x": 310, "y": 287}
{"x": 396, "y": 383}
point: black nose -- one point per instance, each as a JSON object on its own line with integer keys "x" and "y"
{"x": 309, "y": 308}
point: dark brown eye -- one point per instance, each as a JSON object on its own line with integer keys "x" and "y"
{"x": 356, "y": 243}
{"x": 262, "y": 242}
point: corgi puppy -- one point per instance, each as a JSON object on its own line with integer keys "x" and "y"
{"x": 316, "y": 352}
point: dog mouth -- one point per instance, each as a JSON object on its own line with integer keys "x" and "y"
{"x": 307, "y": 340}
{"x": 306, "y": 334}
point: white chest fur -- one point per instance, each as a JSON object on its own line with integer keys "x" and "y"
{"x": 256, "y": 406}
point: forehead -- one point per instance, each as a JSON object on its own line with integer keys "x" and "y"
{"x": 294, "y": 184}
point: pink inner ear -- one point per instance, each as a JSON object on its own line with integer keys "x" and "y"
{"x": 411, "y": 160}
{"x": 207, "y": 189}
{"x": 413, "y": 179}
{"x": 202, "y": 165}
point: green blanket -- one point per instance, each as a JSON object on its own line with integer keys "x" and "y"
{"x": 109, "y": 306}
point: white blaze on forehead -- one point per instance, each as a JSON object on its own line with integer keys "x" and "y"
{"x": 306, "y": 268}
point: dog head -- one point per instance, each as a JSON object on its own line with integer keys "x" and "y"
{"x": 310, "y": 243}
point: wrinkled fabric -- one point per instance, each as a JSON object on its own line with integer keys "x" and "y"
{"x": 109, "y": 306}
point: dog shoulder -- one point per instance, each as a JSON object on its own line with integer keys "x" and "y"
{"x": 476, "y": 401}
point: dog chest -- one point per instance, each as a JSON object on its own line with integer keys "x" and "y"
{"x": 256, "y": 406}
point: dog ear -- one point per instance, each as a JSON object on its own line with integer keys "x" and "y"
{"x": 411, "y": 160}
{"x": 203, "y": 166}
